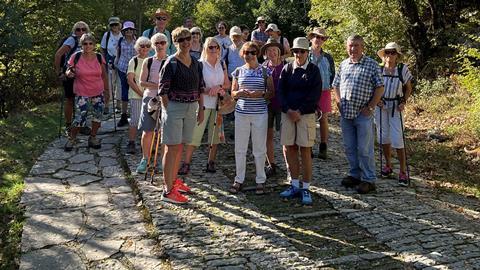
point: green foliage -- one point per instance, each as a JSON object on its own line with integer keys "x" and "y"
{"x": 431, "y": 88}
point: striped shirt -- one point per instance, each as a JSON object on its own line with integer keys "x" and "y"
{"x": 393, "y": 85}
{"x": 252, "y": 80}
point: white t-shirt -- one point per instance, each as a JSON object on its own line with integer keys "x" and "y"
{"x": 212, "y": 76}
{"x": 112, "y": 43}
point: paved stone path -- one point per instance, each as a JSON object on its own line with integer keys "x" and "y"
{"x": 87, "y": 210}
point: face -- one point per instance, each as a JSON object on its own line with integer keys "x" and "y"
{"x": 318, "y": 41}
{"x": 115, "y": 27}
{"x": 236, "y": 38}
{"x": 213, "y": 50}
{"x": 188, "y": 23}
{"x": 161, "y": 21}
{"x": 355, "y": 49}
{"x": 250, "y": 55}
{"x": 184, "y": 42}
{"x": 245, "y": 34}
{"x": 196, "y": 36}
{"x": 144, "y": 49}
{"x": 221, "y": 29}
{"x": 261, "y": 24}
{"x": 160, "y": 45}
{"x": 80, "y": 30}
{"x": 300, "y": 56}
{"x": 272, "y": 53}
{"x": 88, "y": 46}
{"x": 129, "y": 32}
{"x": 390, "y": 56}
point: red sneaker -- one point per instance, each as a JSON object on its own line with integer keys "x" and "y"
{"x": 174, "y": 197}
{"x": 180, "y": 186}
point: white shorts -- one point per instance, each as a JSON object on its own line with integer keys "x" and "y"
{"x": 391, "y": 129}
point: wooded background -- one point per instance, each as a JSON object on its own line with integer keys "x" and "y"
{"x": 440, "y": 38}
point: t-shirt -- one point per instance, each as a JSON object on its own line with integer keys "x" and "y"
{"x": 88, "y": 76}
{"x": 131, "y": 66}
{"x": 154, "y": 77}
{"x": 252, "y": 80}
{"x": 70, "y": 42}
{"x": 213, "y": 76}
{"x": 225, "y": 42}
{"x": 171, "y": 47}
{"x": 276, "y": 71}
{"x": 258, "y": 35}
{"x": 112, "y": 43}
{"x": 233, "y": 58}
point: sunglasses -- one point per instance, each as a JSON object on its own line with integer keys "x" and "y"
{"x": 145, "y": 46}
{"x": 297, "y": 51}
{"x": 391, "y": 52}
{"x": 261, "y": 22}
{"x": 213, "y": 47}
{"x": 87, "y": 43}
{"x": 81, "y": 29}
{"x": 160, "y": 18}
{"x": 320, "y": 37}
{"x": 195, "y": 34}
{"x": 250, "y": 52}
{"x": 180, "y": 40}
{"x": 221, "y": 27}
{"x": 114, "y": 24}
{"x": 163, "y": 42}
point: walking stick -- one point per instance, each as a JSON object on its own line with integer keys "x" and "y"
{"x": 380, "y": 152}
{"x": 112, "y": 87}
{"x": 404, "y": 146}
{"x": 215, "y": 123}
{"x": 62, "y": 100}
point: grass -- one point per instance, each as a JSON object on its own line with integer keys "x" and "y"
{"x": 23, "y": 138}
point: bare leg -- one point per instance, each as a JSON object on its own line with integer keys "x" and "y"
{"x": 95, "y": 127}
{"x": 306, "y": 164}
{"x": 402, "y": 159}
{"x": 169, "y": 165}
{"x": 146, "y": 143}
{"x": 387, "y": 152}
{"x": 324, "y": 128}
{"x": 189, "y": 153}
{"x": 68, "y": 110}
{"x": 178, "y": 158}
{"x": 124, "y": 106}
{"x": 132, "y": 133}
{"x": 292, "y": 160}
{"x": 213, "y": 152}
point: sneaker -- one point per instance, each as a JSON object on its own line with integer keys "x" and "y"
{"x": 69, "y": 145}
{"x": 290, "y": 192}
{"x": 366, "y": 187}
{"x": 123, "y": 120}
{"x": 386, "y": 171}
{"x": 403, "y": 179}
{"x": 211, "y": 167}
{"x": 85, "y": 130}
{"x": 184, "y": 169}
{"x": 350, "y": 181}
{"x": 181, "y": 186}
{"x": 322, "y": 151}
{"x": 142, "y": 166}
{"x": 131, "y": 148}
{"x": 306, "y": 197}
{"x": 94, "y": 143}
{"x": 174, "y": 197}
{"x": 271, "y": 170}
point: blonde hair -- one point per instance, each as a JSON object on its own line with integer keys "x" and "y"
{"x": 207, "y": 43}
{"x": 80, "y": 24}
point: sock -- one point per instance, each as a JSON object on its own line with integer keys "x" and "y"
{"x": 296, "y": 183}
{"x": 305, "y": 185}
{"x": 323, "y": 146}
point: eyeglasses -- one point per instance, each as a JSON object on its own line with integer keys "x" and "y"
{"x": 114, "y": 24}
{"x": 83, "y": 29}
{"x": 161, "y": 18}
{"x": 261, "y": 22}
{"x": 87, "y": 43}
{"x": 250, "y": 52}
{"x": 180, "y": 40}
{"x": 195, "y": 34}
{"x": 213, "y": 47}
{"x": 221, "y": 27}
{"x": 391, "y": 52}
{"x": 143, "y": 46}
{"x": 163, "y": 42}
{"x": 320, "y": 37}
{"x": 299, "y": 51}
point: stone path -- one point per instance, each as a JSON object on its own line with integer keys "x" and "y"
{"x": 87, "y": 210}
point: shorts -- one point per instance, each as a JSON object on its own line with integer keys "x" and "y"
{"x": 135, "y": 109}
{"x": 210, "y": 117}
{"x": 124, "y": 85}
{"x": 68, "y": 87}
{"x": 178, "y": 121}
{"x": 391, "y": 127}
{"x": 325, "y": 103}
{"x": 274, "y": 117}
{"x": 83, "y": 105}
{"x": 147, "y": 123}
{"x": 301, "y": 133}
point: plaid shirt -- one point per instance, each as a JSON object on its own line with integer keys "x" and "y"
{"x": 128, "y": 52}
{"x": 259, "y": 35}
{"x": 357, "y": 83}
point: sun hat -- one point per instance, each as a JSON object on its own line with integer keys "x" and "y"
{"x": 113, "y": 20}
{"x": 161, "y": 12}
{"x": 271, "y": 42}
{"x": 128, "y": 25}
{"x": 390, "y": 46}
{"x": 226, "y": 104}
{"x": 317, "y": 31}
{"x": 272, "y": 27}
{"x": 301, "y": 43}
{"x": 260, "y": 18}
{"x": 235, "y": 31}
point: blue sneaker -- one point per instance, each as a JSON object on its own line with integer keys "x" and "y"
{"x": 142, "y": 167}
{"x": 306, "y": 197}
{"x": 290, "y": 192}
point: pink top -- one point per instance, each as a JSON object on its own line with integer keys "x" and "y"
{"x": 88, "y": 76}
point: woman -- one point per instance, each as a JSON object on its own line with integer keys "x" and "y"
{"x": 125, "y": 52}
{"x": 90, "y": 87}
{"x": 273, "y": 52}
{"x": 232, "y": 55}
{"x": 197, "y": 45}
{"x": 149, "y": 79}
{"x": 245, "y": 32}
{"x": 181, "y": 86}
{"x": 273, "y": 32}
{"x": 142, "y": 47}
{"x": 216, "y": 81}
{"x": 388, "y": 114}
{"x": 223, "y": 37}
{"x": 252, "y": 85}
{"x": 68, "y": 48}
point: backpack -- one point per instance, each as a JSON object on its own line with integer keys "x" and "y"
{"x": 149, "y": 65}
{"x": 399, "y": 71}
{"x": 65, "y": 57}
{"x": 77, "y": 58}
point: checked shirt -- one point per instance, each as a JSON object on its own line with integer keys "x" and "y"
{"x": 357, "y": 83}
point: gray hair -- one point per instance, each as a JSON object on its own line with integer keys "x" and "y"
{"x": 142, "y": 41}
{"x": 80, "y": 24}
{"x": 87, "y": 36}
{"x": 356, "y": 37}
{"x": 159, "y": 37}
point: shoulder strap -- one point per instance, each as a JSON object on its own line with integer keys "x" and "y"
{"x": 150, "y": 32}
{"x": 149, "y": 65}
{"x": 106, "y": 41}
{"x": 120, "y": 47}
{"x": 77, "y": 58}
{"x": 99, "y": 58}
{"x": 265, "y": 77}
{"x": 75, "y": 46}
{"x": 226, "y": 56}
{"x": 400, "y": 72}
{"x": 135, "y": 60}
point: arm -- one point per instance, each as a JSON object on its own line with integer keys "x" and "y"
{"x": 226, "y": 82}
{"x": 106, "y": 87}
{"x": 58, "y": 56}
{"x": 270, "y": 88}
{"x": 144, "y": 75}
{"x": 133, "y": 85}
{"x": 377, "y": 95}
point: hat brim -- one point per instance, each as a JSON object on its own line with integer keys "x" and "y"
{"x": 133, "y": 28}
{"x": 311, "y": 34}
{"x": 300, "y": 48}
{"x": 263, "y": 50}
{"x": 381, "y": 52}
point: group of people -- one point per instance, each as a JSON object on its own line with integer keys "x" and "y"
{"x": 175, "y": 90}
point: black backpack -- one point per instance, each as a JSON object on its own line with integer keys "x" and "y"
{"x": 65, "y": 57}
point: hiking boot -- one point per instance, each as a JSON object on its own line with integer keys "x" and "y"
{"x": 85, "y": 130}
{"x": 403, "y": 179}
{"x": 181, "y": 186}
{"x": 365, "y": 187}
{"x": 142, "y": 166}
{"x": 322, "y": 151}
{"x": 306, "y": 197}
{"x": 290, "y": 192}
{"x": 131, "y": 148}
{"x": 184, "y": 169}
{"x": 174, "y": 196}
{"x": 386, "y": 172}
{"x": 123, "y": 120}
{"x": 94, "y": 143}
{"x": 211, "y": 167}
{"x": 350, "y": 181}
{"x": 271, "y": 170}
{"x": 69, "y": 145}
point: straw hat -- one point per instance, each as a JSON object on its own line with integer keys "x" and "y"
{"x": 235, "y": 31}
{"x": 271, "y": 42}
{"x": 390, "y": 46}
{"x": 317, "y": 31}
{"x": 128, "y": 25}
{"x": 301, "y": 43}
{"x": 161, "y": 12}
{"x": 260, "y": 18}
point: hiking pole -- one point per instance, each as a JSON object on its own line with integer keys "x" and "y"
{"x": 157, "y": 144}
{"x": 112, "y": 88}
{"x": 380, "y": 152}
{"x": 404, "y": 146}
{"x": 214, "y": 126}
{"x": 62, "y": 100}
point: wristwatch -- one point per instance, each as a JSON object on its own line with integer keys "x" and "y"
{"x": 370, "y": 108}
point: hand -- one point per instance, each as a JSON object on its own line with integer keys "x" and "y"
{"x": 293, "y": 115}
{"x": 200, "y": 116}
{"x": 380, "y": 104}
{"x": 70, "y": 73}
{"x": 401, "y": 107}
{"x": 367, "y": 111}
{"x": 164, "y": 100}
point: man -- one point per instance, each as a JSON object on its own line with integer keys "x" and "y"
{"x": 299, "y": 89}
{"x": 358, "y": 88}
{"x": 273, "y": 32}
{"x": 259, "y": 35}
{"x": 188, "y": 23}
{"x": 161, "y": 18}
{"x": 324, "y": 61}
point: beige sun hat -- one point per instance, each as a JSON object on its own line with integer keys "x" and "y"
{"x": 317, "y": 31}
{"x": 301, "y": 43}
{"x": 113, "y": 20}
{"x": 272, "y": 27}
{"x": 235, "y": 31}
{"x": 390, "y": 46}
{"x": 271, "y": 42}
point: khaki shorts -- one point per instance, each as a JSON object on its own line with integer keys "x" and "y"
{"x": 178, "y": 122}
{"x": 209, "y": 119}
{"x": 301, "y": 133}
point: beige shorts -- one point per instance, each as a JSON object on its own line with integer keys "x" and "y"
{"x": 301, "y": 133}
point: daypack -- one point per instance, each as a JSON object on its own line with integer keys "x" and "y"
{"x": 77, "y": 58}
{"x": 149, "y": 65}
{"x": 65, "y": 57}
{"x": 399, "y": 71}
